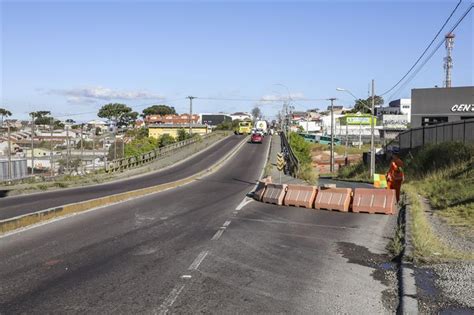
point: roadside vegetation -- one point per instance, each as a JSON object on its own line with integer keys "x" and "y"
{"x": 302, "y": 150}
{"x": 444, "y": 175}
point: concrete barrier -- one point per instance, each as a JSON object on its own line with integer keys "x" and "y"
{"x": 372, "y": 200}
{"x": 274, "y": 193}
{"x": 260, "y": 189}
{"x": 333, "y": 199}
{"x": 300, "y": 196}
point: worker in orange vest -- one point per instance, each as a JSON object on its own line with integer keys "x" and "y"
{"x": 395, "y": 175}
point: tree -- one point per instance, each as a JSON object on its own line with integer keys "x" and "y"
{"x": 183, "y": 135}
{"x": 41, "y": 117}
{"x": 158, "y": 110}
{"x": 4, "y": 113}
{"x": 166, "y": 139}
{"x": 364, "y": 106}
{"x": 70, "y": 121}
{"x": 256, "y": 112}
{"x": 121, "y": 114}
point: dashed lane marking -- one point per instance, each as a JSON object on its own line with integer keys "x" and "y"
{"x": 217, "y": 235}
{"x": 198, "y": 260}
{"x": 226, "y": 223}
{"x": 170, "y": 299}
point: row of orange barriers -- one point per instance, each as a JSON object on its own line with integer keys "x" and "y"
{"x": 368, "y": 200}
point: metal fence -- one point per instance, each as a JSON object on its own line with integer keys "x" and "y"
{"x": 133, "y": 161}
{"x": 292, "y": 161}
{"x": 462, "y": 131}
{"x": 19, "y": 169}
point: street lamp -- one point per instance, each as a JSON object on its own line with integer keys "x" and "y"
{"x": 372, "y": 129}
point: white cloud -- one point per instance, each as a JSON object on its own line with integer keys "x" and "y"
{"x": 276, "y": 98}
{"x": 91, "y": 94}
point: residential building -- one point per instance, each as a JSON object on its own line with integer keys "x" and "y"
{"x": 171, "y": 119}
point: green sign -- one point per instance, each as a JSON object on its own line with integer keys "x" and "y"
{"x": 358, "y": 120}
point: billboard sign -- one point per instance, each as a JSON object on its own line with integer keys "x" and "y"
{"x": 358, "y": 120}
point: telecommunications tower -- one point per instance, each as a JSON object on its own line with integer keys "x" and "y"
{"x": 448, "y": 60}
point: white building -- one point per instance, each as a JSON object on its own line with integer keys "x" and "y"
{"x": 401, "y": 106}
{"x": 240, "y": 116}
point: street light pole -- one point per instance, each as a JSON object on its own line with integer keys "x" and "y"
{"x": 191, "y": 113}
{"x": 372, "y": 144}
{"x": 332, "y": 135}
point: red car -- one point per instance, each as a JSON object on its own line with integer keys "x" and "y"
{"x": 256, "y": 138}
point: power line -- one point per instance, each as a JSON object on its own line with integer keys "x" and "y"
{"x": 432, "y": 53}
{"x": 424, "y": 52}
{"x": 261, "y": 100}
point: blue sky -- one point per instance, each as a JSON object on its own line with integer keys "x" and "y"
{"x": 73, "y": 57}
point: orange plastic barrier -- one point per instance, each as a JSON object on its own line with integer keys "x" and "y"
{"x": 333, "y": 199}
{"x": 374, "y": 200}
{"x": 274, "y": 193}
{"x": 300, "y": 196}
{"x": 261, "y": 186}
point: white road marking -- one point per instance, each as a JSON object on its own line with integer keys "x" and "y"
{"x": 226, "y": 223}
{"x": 198, "y": 260}
{"x": 243, "y": 203}
{"x": 217, "y": 235}
{"x": 170, "y": 299}
{"x": 186, "y": 276}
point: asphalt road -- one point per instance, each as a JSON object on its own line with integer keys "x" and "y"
{"x": 203, "y": 247}
{"x": 18, "y": 205}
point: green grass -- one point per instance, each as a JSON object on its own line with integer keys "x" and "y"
{"x": 267, "y": 171}
{"x": 341, "y": 149}
{"x": 307, "y": 173}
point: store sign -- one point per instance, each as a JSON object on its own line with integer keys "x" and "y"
{"x": 395, "y": 121}
{"x": 462, "y": 108}
{"x": 359, "y": 120}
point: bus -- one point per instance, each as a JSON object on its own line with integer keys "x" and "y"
{"x": 245, "y": 127}
{"x": 308, "y": 137}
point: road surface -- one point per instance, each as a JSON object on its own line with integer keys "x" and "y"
{"x": 18, "y": 205}
{"x": 203, "y": 247}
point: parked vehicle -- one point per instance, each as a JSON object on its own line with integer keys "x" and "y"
{"x": 308, "y": 137}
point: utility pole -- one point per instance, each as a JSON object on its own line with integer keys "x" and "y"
{"x": 332, "y": 134}
{"x": 51, "y": 158}
{"x": 10, "y": 173}
{"x": 32, "y": 144}
{"x": 82, "y": 148}
{"x": 67, "y": 149}
{"x": 372, "y": 144}
{"x": 191, "y": 113}
{"x": 93, "y": 152}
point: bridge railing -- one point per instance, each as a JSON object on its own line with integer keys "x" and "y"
{"x": 461, "y": 131}
{"x": 137, "y": 160}
{"x": 292, "y": 161}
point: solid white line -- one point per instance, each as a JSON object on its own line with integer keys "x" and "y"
{"x": 170, "y": 299}
{"x": 186, "y": 276}
{"x": 226, "y": 223}
{"x": 217, "y": 235}
{"x": 198, "y": 260}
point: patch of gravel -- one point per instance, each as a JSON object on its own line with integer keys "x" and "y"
{"x": 456, "y": 281}
{"x": 455, "y": 237}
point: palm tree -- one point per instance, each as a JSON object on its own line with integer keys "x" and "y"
{"x": 4, "y": 113}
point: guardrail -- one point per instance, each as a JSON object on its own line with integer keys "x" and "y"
{"x": 134, "y": 161}
{"x": 292, "y": 161}
{"x": 462, "y": 131}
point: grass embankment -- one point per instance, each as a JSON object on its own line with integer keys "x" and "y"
{"x": 302, "y": 150}
{"x": 444, "y": 174}
{"x": 340, "y": 149}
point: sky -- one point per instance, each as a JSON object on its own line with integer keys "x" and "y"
{"x": 72, "y": 57}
